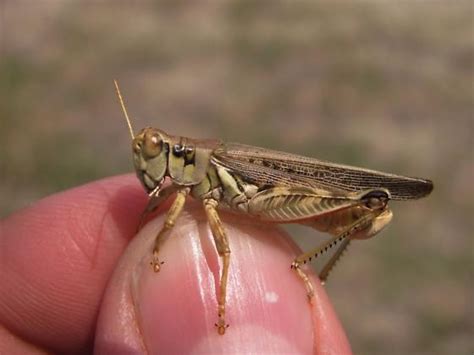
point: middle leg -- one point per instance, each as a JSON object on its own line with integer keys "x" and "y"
{"x": 222, "y": 246}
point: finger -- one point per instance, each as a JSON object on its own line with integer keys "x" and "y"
{"x": 56, "y": 257}
{"x": 174, "y": 311}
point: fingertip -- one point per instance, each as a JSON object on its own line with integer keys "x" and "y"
{"x": 329, "y": 335}
{"x": 175, "y": 310}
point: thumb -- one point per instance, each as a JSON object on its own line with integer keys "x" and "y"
{"x": 174, "y": 310}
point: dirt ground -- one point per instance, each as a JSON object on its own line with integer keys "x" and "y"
{"x": 382, "y": 85}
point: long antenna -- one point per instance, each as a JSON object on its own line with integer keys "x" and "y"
{"x": 124, "y": 109}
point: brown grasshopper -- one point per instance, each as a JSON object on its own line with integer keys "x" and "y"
{"x": 344, "y": 201}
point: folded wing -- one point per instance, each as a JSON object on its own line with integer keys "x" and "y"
{"x": 272, "y": 168}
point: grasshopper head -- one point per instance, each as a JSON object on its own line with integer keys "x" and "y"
{"x": 150, "y": 156}
{"x": 150, "y": 148}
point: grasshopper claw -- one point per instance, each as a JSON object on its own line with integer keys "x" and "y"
{"x": 221, "y": 326}
{"x": 156, "y": 263}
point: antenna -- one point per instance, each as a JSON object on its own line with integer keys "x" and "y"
{"x": 124, "y": 109}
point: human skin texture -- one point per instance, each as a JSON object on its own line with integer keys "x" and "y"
{"x": 75, "y": 277}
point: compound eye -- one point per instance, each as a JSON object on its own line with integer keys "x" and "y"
{"x": 153, "y": 145}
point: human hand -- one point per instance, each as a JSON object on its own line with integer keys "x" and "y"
{"x": 72, "y": 281}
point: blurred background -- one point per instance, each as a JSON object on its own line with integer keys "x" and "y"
{"x": 381, "y": 85}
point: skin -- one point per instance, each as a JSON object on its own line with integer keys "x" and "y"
{"x": 74, "y": 279}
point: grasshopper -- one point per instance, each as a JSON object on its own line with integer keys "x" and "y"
{"x": 345, "y": 201}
